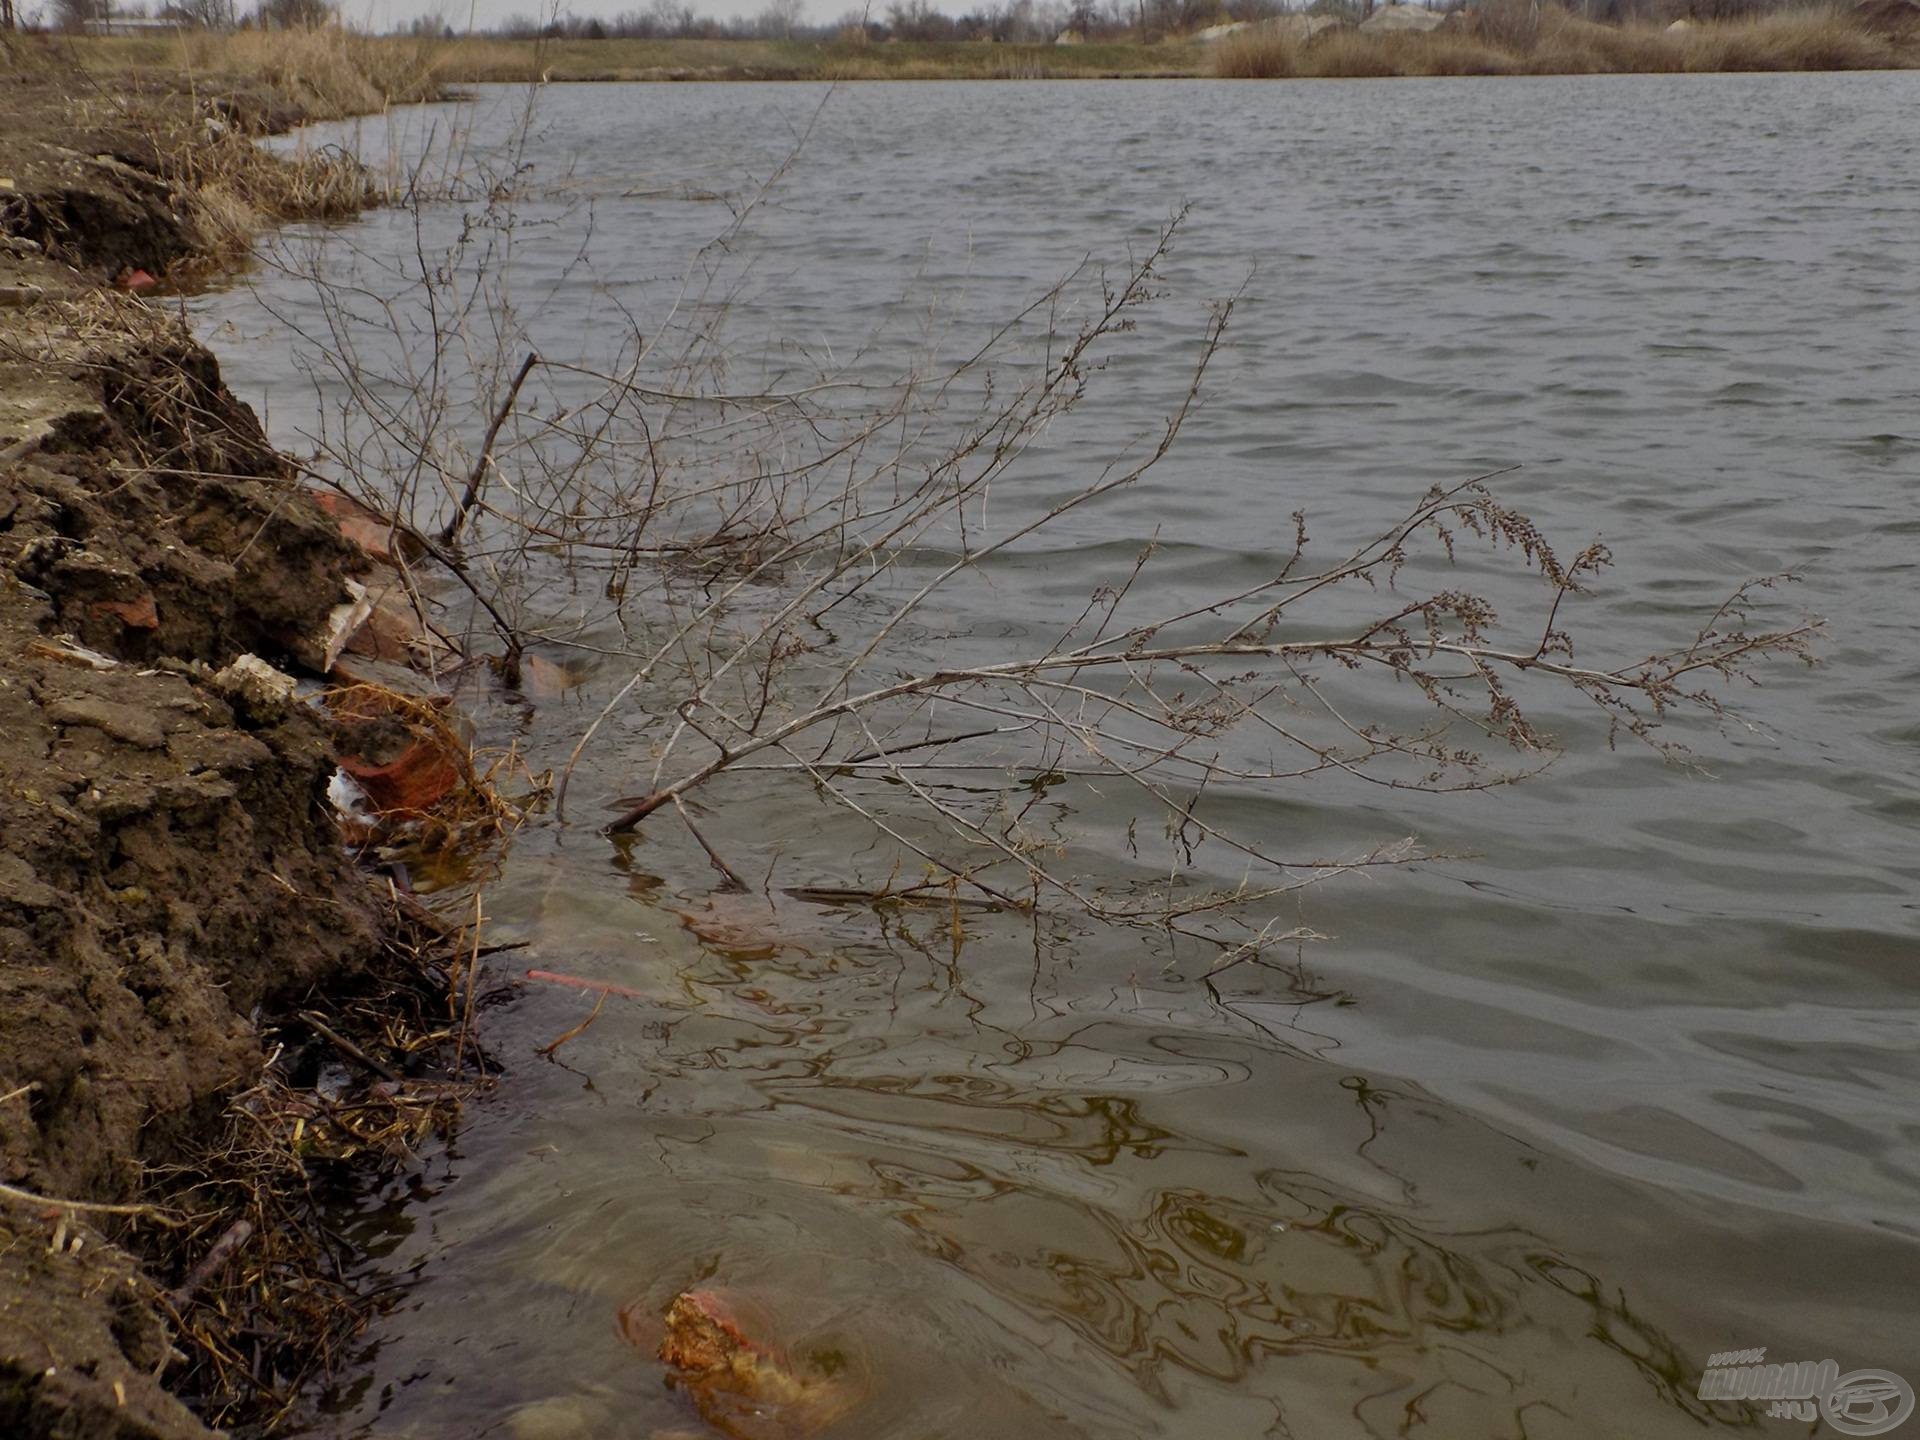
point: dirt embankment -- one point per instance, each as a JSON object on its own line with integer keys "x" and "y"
{"x": 171, "y": 877}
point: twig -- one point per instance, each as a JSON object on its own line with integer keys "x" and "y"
{"x": 224, "y": 1249}
{"x": 88, "y": 1207}
{"x": 473, "y": 980}
{"x": 916, "y": 895}
{"x": 734, "y": 882}
{"x": 348, "y": 1048}
{"x": 598, "y": 1005}
{"x": 581, "y": 982}
{"x": 450, "y": 532}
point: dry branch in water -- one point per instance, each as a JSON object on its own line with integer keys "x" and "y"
{"x": 788, "y": 535}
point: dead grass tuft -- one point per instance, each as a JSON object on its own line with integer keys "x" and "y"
{"x": 1350, "y": 54}
{"x": 1819, "y": 39}
{"x": 232, "y": 189}
{"x": 1257, "y": 54}
{"x": 327, "y": 73}
{"x": 262, "y": 1296}
{"x": 1445, "y": 54}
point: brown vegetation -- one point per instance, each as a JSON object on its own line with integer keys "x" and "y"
{"x": 1492, "y": 41}
{"x": 158, "y": 169}
{"x": 330, "y": 72}
{"x": 281, "y": 75}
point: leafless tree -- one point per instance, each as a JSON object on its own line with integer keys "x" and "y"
{"x": 72, "y": 16}
{"x": 295, "y": 14}
{"x": 206, "y": 14}
{"x": 780, "y": 19}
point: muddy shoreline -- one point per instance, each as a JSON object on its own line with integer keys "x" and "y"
{"x": 174, "y": 890}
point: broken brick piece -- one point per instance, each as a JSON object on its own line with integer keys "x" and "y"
{"x": 137, "y": 614}
{"x": 370, "y": 530}
{"x": 413, "y": 782}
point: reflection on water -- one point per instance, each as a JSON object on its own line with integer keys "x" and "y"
{"x": 1536, "y": 1133}
{"x": 1006, "y": 1195}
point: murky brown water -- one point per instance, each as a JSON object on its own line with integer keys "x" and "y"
{"x": 1535, "y": 1132}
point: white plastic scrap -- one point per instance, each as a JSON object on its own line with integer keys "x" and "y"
{"x": 347, "y": 796}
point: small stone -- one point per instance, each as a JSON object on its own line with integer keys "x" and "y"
{"x": 561, "y": 1417}
{"x": 260, "y": 690}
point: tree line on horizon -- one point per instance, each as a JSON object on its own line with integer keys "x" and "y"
{"x": 73, "y": 17}
{"x": 1029, "y": 22}
{"x": 1015, "y": 22}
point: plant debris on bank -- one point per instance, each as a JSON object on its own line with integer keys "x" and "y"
{"x": 213, "y": 1021}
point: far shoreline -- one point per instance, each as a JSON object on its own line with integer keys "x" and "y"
{"x": 1874, "y": 36}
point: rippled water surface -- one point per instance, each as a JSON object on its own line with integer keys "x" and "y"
{"x": 1633, "y": 1079}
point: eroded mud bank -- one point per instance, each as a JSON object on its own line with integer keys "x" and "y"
{"x": 172, "y": 881}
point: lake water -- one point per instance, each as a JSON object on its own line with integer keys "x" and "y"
{"x": 1633, "y": 1078}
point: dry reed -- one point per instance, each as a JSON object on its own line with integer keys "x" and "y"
{"x": 1819, "y": 38}
{"x": 232, "y": 189}
{"x": 322, "y": 74}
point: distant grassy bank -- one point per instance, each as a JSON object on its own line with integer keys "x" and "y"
{"x": 393, "y": 62}
{"x": 1493, "y": 42}
{"x": 324, "y": 74}
{"x": 477, "y": 60}
{"x": 333, "y": 72}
